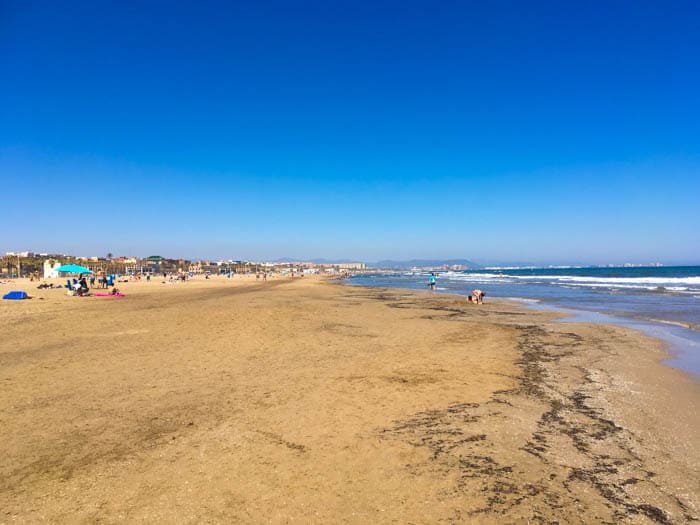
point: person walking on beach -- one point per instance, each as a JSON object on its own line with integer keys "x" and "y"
{"x": 432, "y": 281}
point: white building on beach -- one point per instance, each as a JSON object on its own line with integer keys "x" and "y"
{"x": 50, "y": 270}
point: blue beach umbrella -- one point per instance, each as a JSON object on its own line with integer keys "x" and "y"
{"x": 72, "y": 268}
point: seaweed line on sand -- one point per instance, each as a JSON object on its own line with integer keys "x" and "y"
{"x": 462, "y": 443}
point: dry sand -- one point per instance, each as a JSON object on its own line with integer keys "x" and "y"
{"x": 309, "y": 402}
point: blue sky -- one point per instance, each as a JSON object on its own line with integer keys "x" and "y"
{"x": 499, "y": 131}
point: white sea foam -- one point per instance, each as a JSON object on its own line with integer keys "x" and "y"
{"x": 521, "y": 300}
{"x": 611, "y": 280}
{"x": 487, "y": 277}
{"x": 614, "y": 286}
{"x": 670, "y": 283}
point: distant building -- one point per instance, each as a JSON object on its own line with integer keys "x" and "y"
{"x": 352, "y": 266}
{"x": 50, "y": 269}
{"x": 152, "y": 264}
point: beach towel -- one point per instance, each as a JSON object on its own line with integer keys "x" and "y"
{"x": 15, "y": 295}
{"x": 109, "y": 295}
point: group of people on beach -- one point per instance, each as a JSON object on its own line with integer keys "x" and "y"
{"x": 476, "y": 297}
{"x": 80, "y": 287}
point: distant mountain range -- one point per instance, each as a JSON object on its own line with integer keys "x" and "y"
{"x": 423, "y": 263}
{"x": 509, "y": 264}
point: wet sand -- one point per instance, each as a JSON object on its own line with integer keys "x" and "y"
{"x": 306, "y": 401}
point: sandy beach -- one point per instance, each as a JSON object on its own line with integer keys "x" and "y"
{"x": 305, "y": 401}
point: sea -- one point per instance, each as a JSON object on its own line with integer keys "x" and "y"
{"x": 661, "y": 301}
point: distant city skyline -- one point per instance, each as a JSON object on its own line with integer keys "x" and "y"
{"x": 549, "y": 133}
{"x": 456, "y": 263}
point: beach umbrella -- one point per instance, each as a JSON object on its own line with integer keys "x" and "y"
{"x": 72, "y": 268}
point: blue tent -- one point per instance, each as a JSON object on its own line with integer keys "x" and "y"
{"x": 72, "y": 268}
{"x": 15, "y": 295}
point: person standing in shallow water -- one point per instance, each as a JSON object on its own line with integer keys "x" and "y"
{"x": 432, "y": 281}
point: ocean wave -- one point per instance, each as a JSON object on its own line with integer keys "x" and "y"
{"x": 612, "y": 285}
{"x": 688, "y": 286}
{"x": 667, "y": 282}
{"x": 521, "y": 300}
{"x": 610, "y": 280}
{"x": 481, "y": 277}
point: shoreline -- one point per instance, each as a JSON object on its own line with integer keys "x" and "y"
{"x": 313, "y": 401}
{"x": 683, "y": 347}
{"x": 605, "y": 403}
{"x": 681, "y": 353}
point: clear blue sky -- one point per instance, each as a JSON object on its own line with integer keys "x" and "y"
{"x": 498, "y": 131}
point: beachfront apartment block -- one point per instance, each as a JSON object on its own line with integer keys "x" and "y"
{"x": 352, "y": 266}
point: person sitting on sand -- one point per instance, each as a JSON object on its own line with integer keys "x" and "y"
{"x": 114, "y": 291}
{"x": 80, "y": 291}
{"x": 82, "y": 287}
